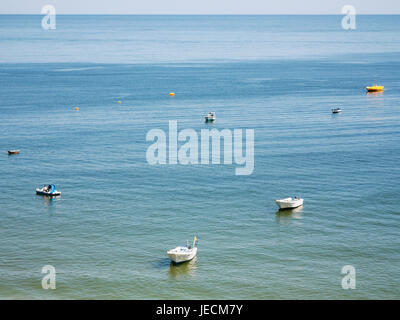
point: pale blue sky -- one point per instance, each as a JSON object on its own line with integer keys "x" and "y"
{"x": 201, "y": 6}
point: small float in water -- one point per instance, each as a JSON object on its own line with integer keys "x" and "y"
{"x": 48, "y": 190}
{"x": 289, "y": 203}
{"x": 210, "y": 117}
{"x": 375, "y": 88}
{"x": 183, "y": 253}
{"x": 336, "y": 110}
{"x": 13, "y": 151}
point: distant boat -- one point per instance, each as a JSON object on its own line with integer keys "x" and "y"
{"x": 49, "y": 190}
{"x": 375, "y": 88}
{"x": 336, "y": 110}
{"x": 210, "y": 117}
{"x": 183, "y": 253}
{"x": 13, "y": 151}
{"x": 289, "y": 203}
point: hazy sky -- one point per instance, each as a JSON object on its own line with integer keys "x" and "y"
{"x": 201, "y": 6}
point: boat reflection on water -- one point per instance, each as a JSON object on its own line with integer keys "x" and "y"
{"x": 374, "y": 94}
{"x": 375, "y": 99}
{"x": 49, "y": 201}
{"x": 183, "y": 269}
{"x": 290, "y": 215}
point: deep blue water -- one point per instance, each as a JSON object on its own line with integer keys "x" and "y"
{"x": 108, "y": 233}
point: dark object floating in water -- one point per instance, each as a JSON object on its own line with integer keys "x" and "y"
{"x": 13, "y": 151}
{"x": 336, "y": 110}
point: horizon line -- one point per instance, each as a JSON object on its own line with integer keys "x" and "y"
{"x": 202, "y": 14}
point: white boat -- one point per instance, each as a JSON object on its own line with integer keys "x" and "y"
{"x": 210, "y": 117}
{"x": 49, "y": 190}
{"x": 289, "y": 203}
{"x": 336, "y": 110}
{"x": 183, "y": 253}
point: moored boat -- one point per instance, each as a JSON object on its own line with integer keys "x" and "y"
{"x": 336, "y": 110}
{"x": 375, "y": 88}
{"x": 210, "y": 117}
{"x": 183, "y": 253}
{"x": 48, "y": 190}
{"x": 289, "y": 203}
{"x": 13, "y": 151}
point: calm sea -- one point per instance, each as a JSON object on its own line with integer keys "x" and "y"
{"x": 107, "y": 235}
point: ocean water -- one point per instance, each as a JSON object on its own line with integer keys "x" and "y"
{"x": 108, "y": 233}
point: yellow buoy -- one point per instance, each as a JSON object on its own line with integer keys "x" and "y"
{"x": 119, "y": 102}
{"x": 171, "y": 94}
{"x": 76, "y": 108}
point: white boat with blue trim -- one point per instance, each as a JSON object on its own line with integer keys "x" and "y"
{"x": 183, "y": 253}
{"x": 289, "y": 203}
{"x": 48, "y": 190}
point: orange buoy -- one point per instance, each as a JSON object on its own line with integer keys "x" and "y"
{"x": 76, "y": 108}
{"x": 171, "y": 94}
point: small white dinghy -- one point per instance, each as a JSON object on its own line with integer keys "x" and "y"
{"x": 210, "y": 117}
{"x": 182, "y": 254}
{"x": 289, "y": 203}
{"x": 49, "y": 190}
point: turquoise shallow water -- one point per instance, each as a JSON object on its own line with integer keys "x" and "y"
{"x": 108, "y": 233}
